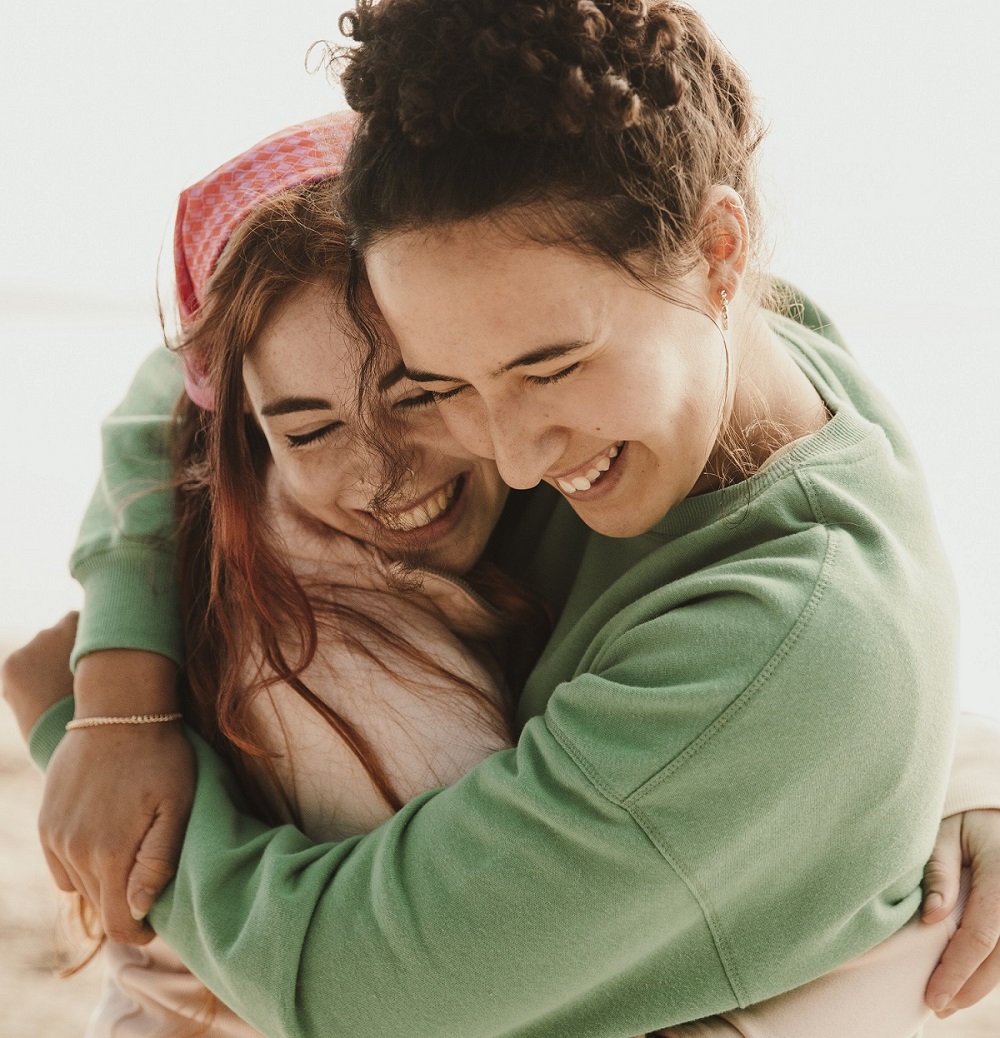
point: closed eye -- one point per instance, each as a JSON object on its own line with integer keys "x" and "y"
{"x": 414, "y": 403}
{"x": 548, "y": 380}
{"x": 448, "y": 393}
{"x": 312, "y": 437}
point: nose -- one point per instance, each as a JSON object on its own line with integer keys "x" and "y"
{"x": 522, "y": 441}
{"x": 361, "y": 476}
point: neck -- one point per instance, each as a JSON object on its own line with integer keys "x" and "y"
{"x": 772, "y": 403}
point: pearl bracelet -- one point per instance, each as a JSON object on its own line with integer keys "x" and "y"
{"x": 96, "y": 722}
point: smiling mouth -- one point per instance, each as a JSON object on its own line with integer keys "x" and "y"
{"x": 590, "y": 473}
{"x": 433, "y": 506}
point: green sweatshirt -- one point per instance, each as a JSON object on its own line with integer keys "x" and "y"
{"x": 730, "y": 775}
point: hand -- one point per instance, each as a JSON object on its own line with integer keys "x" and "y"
{"x": 117, "y": 797}
{"x": 970, "y": 966}
{"x": 37, "y": 676}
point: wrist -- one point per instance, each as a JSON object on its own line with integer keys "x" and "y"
{"x": 124, "y": 683}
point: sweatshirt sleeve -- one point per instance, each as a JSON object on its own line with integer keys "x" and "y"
{"x": 852, "y": 998}
{"x": 125, "y": 554}
{"x": 975, "y": 773}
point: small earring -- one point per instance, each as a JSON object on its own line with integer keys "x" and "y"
{"x": 724, "y": 296}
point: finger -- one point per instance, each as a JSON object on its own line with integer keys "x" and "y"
{"x": 69, "y": 622}
{"x": 943, "y": 872}
{"x": 155, "y": 864}
{"x": 973, "y": 943}
{"x": 116, "y": 916}
{"x": 59, "y": 874}
{"x": 65, "y": 866}
{"x": 979, "y": 985}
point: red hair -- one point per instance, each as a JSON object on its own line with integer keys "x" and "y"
{"x": 242, "y": 605}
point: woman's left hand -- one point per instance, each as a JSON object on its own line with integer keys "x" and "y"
{"x": 970, "y": 966}
{"x": 37, "y": 675}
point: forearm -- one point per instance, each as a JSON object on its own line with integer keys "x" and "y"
{"x": 124, "y": 682}
{"x": 879, "y": 994}
{"x": 343, "y": 882}
{"x": 512, "y": 904}
{"x": 124, "y": 556}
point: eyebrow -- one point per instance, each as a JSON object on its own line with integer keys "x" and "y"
{"x": 526, "y": 360}
{"x": 387, "y": 381}
{"x": 291, "y": 404}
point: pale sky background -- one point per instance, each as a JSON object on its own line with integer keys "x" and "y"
{"x": 880, "y": 173}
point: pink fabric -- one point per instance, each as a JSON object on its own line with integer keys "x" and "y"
{"x": 208, "y": 212}
{"x": 149, "y": 993}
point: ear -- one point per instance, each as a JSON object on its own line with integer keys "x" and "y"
{"x": 726, "y": 242}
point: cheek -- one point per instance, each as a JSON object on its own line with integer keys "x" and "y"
{"x": 466, "y": 425}
{"x": 302, "y": 483}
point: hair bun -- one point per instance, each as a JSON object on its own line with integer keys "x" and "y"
{"x": 544, "y": 69}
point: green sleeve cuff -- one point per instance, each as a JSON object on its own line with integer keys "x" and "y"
{"x": 131, "y": 603}
{"x": 49, "y": 730}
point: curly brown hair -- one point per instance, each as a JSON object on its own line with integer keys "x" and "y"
{"x": 598, "y": 124}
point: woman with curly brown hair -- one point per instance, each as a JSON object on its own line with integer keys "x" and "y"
{"x": 733, "y": 750}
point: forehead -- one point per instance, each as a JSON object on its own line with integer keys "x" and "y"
{"x": 469, "y": 288}
{"x": 308, "y": 345}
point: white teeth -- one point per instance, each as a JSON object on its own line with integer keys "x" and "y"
{"x": 424, "y": 513}
{"x": 571, "y": 486}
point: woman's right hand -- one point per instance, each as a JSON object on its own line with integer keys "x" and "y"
{"x": 117, "y": 797}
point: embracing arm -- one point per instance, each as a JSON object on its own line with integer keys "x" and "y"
{"x": 124, "y": 557}
{"x": 852, "y": 999}
{"x": 118, "y": 795}
{"x": 583, "y": 893}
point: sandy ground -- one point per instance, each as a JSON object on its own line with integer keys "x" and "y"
{"x": 35, "y": 1003}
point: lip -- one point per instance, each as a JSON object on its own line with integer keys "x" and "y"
{"x": 435, "y": 530}
{"x": 604, "y": 486}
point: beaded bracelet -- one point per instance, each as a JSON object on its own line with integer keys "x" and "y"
{"x": 96, "y": 722}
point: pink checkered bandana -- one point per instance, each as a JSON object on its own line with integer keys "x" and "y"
{"x": 209, "y": 211}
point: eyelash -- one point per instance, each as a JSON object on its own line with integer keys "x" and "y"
{"x": 548, "y": 380}
{"x": 312, "y": 437}
{"x": 414, "y": 403}
{"x": 447, "y": 394}
{"x": 535, "y": 380}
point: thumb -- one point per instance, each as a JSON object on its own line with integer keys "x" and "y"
{"x": 155, "y": 865}
{"x": 943, "y": 872}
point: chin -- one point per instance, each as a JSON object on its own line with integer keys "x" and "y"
{"x": 614, "y": 523}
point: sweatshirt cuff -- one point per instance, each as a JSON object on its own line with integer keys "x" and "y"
{"x": 975, "y": 772}
{"x": 49, "y": 730}
{"x": 130, "y": 602}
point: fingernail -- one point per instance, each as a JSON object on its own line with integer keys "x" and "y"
{"x": 933, "y": 903}
{"x": 139, "y": 906}
{"x": 938, "y": 1002}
